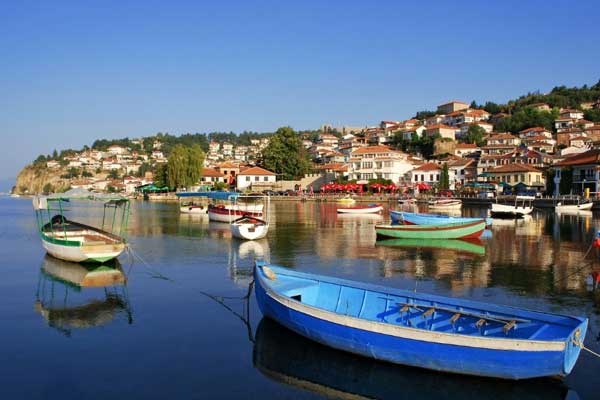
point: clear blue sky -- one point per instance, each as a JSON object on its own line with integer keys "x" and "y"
{"x": 72, "y": 72}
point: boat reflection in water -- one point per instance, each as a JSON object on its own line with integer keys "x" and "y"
{"x": 242, "y": 254}
{"x": 289, "y": 358}
{"x": 472, "y": 246}
{"x": 78, "y": 296}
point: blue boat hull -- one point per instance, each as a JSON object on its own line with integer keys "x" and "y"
{"x": 425, "y": 219}
{"x": 423, "y": 354}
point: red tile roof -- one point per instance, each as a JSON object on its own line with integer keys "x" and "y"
{"x": 466, "y": 146}
{"x": 256, "y": 171}
{"x": 428, "y": 167}
{"x": 535, "y": 129}
{"x": 212, "y": 173}
{"x": 440, "y": 126}
{"x": 588, "y": 157}
{"x": 514, "y": 168}
{"x": 374, "y": 149}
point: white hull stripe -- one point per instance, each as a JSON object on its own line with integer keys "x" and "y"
{"x": 412, "y": 333}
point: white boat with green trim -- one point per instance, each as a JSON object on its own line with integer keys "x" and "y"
{"x": 73, "y": 241}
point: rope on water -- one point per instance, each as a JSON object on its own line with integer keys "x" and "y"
{"x": 582, "y": 346}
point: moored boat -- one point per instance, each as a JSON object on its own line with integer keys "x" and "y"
{"x": 292, "y": 359}
{"x": 73, "y": 241}
{"x": 193, "y": 209}
{"x": 249, "y": 228}
{"x": 573, "y": 208}
{"x": 221, "y": 213}
{"x": 408, "y": 218}
{"x": 421, "y": 330}
{"x": 368, "y": 209}
{"x": 456, "y": 230}
{"x": 346, "y": 200}
{"x": 523, "y": 205}
{"x": 445, "y": 204}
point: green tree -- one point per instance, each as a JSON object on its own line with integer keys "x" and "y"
{"x": 286, "y": 155}
{"x": 87, "y": 174}
{"x": 445, "y": 177}
{"x": 592, "y": 115}
{"x": 114, "y": 174}
{"x": 184, "y": 166}
{"x": 160, "y": 176}
{"x": 48, "y": 188}
{"x": 475, "y": 135}
{"x": 54, "y": 154}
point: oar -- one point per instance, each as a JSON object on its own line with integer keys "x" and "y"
{"x": 489, "y": 317}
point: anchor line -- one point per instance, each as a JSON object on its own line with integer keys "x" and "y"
{"x": 582, "y": 346}
{"x": 218, "y": 299}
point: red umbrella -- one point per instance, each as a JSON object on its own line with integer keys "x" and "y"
{"x": 423, "y": 186}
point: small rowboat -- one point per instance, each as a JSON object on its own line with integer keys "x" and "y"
{"x": 407, "y": 201}
{"x": 291, "y": 359}
{"x": 445, "y": 204}
{"x": 573, "y": 208}
{"x": 407, "y": 218}
{"x": 249, "y": 228}
{"x": 456, "y": 230}
{"x": 73, "y": 241}
{"x": 368, "y": 209}
{"x": 420, "y": 330}
{"x": 522, "y": 206}
{"x": 346, "y": 200}
{"x": 221, "y": 213}
{"x": 193, "y": 209}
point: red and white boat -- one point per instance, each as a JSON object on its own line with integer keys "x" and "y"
{"x": 368, "y": 209}
{"x": 221, "y": 213}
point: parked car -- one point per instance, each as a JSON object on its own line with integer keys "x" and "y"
{"x": 269, "y": 193}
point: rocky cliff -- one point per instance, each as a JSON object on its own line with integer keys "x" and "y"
{"x": 32, "y": 179}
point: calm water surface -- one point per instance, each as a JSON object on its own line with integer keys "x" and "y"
{"x": 180, "y": 328}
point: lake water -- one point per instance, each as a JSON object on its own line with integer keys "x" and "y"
{"x": 180, "y": 327}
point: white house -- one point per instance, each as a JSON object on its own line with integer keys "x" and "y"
{"x": 115, "y": 149}
{"x": 255, "y": 177}
{"x": 428, "y": 173}
{"x": 379, "y": 162}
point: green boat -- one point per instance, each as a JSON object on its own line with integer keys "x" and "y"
{"x": 73, "y": 241}
{"x": 456, "y": 230}
{"x": 473, "y": 246}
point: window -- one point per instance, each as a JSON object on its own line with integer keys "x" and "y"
{"x": 247, "y": 179}
{"x": 387, "y": 164}
{"x": 256, "y": 178}
{"x": 516, "y": 178}
{"x": 266, "y": 179}
{"x": 422, "y": 178}
{"x": 367, "y": 165}
{"x": 522, "y": 177}
{"x": 430, "y": 177}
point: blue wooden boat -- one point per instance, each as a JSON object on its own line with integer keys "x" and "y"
{"x": 421, "y": 330}
{"x": 408, "y": 218}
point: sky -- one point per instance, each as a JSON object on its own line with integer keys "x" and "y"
{"x": 73, "y": 72}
